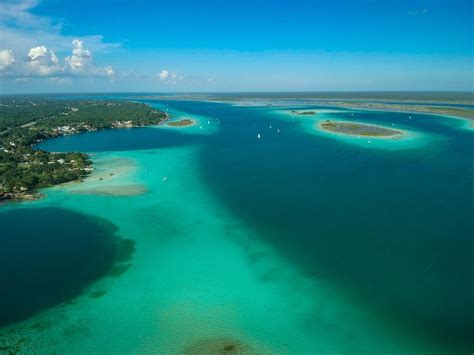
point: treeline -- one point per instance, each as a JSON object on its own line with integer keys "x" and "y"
{"x": 22, "y": 173}
{"x": 48, "y": 113}
{"x": 102, "y": 114}
{"x": 18, "y": 110}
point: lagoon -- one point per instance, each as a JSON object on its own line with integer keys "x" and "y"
{"x": 296, "y": 242}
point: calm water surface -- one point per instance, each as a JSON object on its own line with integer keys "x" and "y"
{"x": 390, "y": 229}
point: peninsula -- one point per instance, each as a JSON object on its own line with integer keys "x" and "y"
{"x": 26, "y": 121}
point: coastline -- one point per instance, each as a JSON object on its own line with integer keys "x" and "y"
{"x": 20, "y": 197}
{"x": 33, "y": 194}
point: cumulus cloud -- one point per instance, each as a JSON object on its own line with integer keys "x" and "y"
{"x": 80, "y": 59}
{"x": 40, "y": 61}
{"x": 37, "y": 52}
{"x": 169, "y": 77}
{"x": 6, "y": 59}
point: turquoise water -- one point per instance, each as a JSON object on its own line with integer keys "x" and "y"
{"x": 296, "y": 242}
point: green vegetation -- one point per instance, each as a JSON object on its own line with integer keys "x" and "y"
{"x": 308, "y": 113}
{"x": 28, "y": 121}
{"x": 181, "y": 123}
{"x": 358, "y": 129}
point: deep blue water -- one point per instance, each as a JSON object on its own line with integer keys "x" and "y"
{"x": 393, "y": 228}
{"x": 120, "y": 139}
{"x": 50, "y": 255}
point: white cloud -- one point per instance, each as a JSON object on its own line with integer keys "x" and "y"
{"x": 54, "y": 57}
{"x": 41, "y": 61}
{"x": 108, "y": 70}
{"x": 80, "y": 59}
{"x": 6, "y": 59}
{"x": 21, "y": 32}
{"x": 164, "y": 75}
{"x": 169, "y": 77}
{"x": 37, "y": 52}
{"x": 418, "y": 12}
{"x": 19, "y": 13}
{"x": 21, "y": 29}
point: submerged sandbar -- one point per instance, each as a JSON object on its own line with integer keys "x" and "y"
{"x": 181, "y": 123}
{"x": 359, "y": 129}
{"x": 113, "y": 190}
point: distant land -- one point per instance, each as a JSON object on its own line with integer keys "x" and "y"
{"x": 452, "y": 97}
{"x": 458, "y": 104}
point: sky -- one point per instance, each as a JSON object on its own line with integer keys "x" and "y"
{"x": 227, "y": 45}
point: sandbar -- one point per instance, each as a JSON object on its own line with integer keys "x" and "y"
{"x": 113, "y": 190}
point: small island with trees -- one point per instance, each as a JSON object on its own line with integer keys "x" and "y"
{"x": 359, "y": 129}
{"x": 303, "y": 113}
{"x": 26, "y": 121}
{"x": 181, "y": 123}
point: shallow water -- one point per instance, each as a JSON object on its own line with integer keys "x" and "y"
{"x": 296, "y": 242}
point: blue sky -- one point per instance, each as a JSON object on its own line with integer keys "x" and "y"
{"x": 227, "y": 45}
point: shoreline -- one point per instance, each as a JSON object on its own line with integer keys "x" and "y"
{"x": 34, "y": 195}
{"x": 21, "y": 197}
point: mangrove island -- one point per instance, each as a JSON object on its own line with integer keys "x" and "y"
{"x": 304, "y": 113}
{"x": 359, "y": 129}
{"x": 181, "y": 123}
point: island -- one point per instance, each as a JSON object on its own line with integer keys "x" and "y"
{"x": 359, "y": 129}
{"x": 307, "y": 113}
{"x": 26, "y": 121}
{"x": 461, "y": 112}
{"x": 181, "y": 123}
